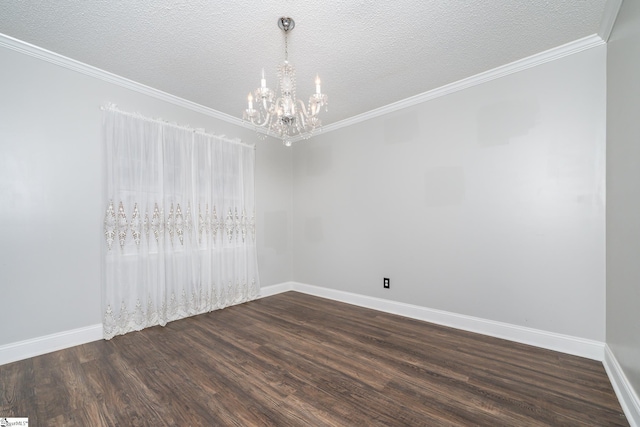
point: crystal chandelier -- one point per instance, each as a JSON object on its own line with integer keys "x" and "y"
{"x": 285, "y": 117}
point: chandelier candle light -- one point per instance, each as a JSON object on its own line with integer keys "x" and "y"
{"x": 285, "y": 117}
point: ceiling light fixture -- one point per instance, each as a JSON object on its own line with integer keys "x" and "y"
{"x": 285, "y": 117}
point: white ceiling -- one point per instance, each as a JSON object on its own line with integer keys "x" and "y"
{"x": 368, "y": 53}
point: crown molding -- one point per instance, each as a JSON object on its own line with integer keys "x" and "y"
{"x": 80, "y": 67}
{"x": 504, "y": 70}
{"x": 611, "y": 9}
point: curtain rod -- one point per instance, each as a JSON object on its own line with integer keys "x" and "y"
{"x": 201, "y": 131}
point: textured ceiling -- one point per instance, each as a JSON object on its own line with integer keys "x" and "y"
{"x": 368, "y": 53}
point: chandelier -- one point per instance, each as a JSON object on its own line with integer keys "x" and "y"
{"x": 285, "y": 117}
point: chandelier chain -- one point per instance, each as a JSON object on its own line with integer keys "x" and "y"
{"x": 286, "y": 47}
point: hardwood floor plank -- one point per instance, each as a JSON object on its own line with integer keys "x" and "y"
{"x": 17, "y": 393}
{"x": 298, "y": 360}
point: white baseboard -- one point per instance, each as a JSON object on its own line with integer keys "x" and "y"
{"x": 626, "y": 395}
{"x": 566, "y": 344}
{"x": 553, "y": 341}
{"x": 35, "y": 347}
{"x": 42, "y": 345}
{"x": 549, "y": 340}
{"x": 267, "y": 291}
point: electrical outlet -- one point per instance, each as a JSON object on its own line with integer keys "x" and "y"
{"x": 385, "y": 283}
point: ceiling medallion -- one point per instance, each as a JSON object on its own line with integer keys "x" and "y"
{"x": 285, "y": 117}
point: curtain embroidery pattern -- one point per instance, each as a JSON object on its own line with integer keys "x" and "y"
{"x": 179, "y": 223}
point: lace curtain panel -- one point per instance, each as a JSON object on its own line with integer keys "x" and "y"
{"x": 179, "y": 223}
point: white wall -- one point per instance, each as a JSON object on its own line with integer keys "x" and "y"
{"x": 488, "y": 202}
{"x": 50, "y": 193}
{"x": 623, "y": 193}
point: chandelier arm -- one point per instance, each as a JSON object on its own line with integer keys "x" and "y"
{"x": 303, "y": 109}
{"x": 267, "y": 118}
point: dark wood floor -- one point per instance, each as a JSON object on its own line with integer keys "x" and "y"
{"x": 298, "y": 360}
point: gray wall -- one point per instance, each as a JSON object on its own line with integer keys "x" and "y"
{"x": 623, "y": 191}
{"x": 50, "y": 193}
{"x": 487, "y": 202}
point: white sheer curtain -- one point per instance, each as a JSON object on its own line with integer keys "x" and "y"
{"x": 179, "y": 224}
